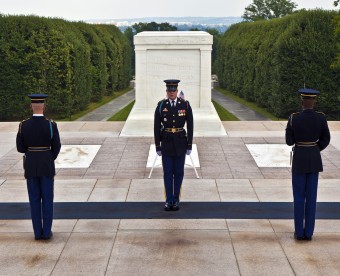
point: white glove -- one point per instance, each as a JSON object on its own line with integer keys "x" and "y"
{"x": 159, "y": 153}
{"x": 188, "y": 152}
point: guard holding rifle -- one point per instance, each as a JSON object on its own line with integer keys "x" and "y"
{"x": 172, "y": 141}
{"x": 38, "y": 138}
{"x": 308, "y": 132}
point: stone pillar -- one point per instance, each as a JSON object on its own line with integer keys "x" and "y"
{"x": 173, "y": 55}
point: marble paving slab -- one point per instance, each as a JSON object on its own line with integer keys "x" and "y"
{"x": 270, "y": 155}
{"x": 76, "y": 156}
{"x": 173, "y": 252}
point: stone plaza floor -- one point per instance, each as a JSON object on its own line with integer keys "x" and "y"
{"x": 228, "y": 172}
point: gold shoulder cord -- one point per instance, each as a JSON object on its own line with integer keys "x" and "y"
{"x": 21, "y": 125}
{"x": 291, "y": 118}
{"x": 20, "y": 128}
{"x": 321, "y": 113}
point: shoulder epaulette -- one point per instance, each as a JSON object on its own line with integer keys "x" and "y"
{"x": 50, "y": 120}
{"x": 163, "y": 100}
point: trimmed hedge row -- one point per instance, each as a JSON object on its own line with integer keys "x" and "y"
{"x": 268, "y": 61}
{"x": 336, "y": 63}
{"x": 73, "y": 62}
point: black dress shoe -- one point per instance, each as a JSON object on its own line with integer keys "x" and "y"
{"x": 167, "y": 206}
{"x": 48, "y": 237}
{"x": 175, "y": 206}
{"x": 298, "y": 238}
{"x": 308, "y": 238}
{"x": 37, "y": 238}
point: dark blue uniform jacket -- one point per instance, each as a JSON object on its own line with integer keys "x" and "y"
{"x": 308, "y": 131}
{"x": 166, "y": 117}
{"x": 33, "y": 137}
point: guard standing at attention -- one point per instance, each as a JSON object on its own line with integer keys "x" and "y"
{"x": 307, "y": 131}
{"x": 172, "y": 141}
{"x": 38, "y": 138}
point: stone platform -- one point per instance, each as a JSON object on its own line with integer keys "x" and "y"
{"x": 202, "y": 246}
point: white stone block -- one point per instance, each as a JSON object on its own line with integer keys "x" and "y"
{"x": 173, "y": 55}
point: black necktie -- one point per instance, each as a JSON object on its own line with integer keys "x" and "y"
{"x": 173, "y": 103}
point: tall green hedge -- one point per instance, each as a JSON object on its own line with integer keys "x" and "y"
{"x": 336, "y": 63}
{"x": 73, "y": 62}
{"x": 268, "y": 61}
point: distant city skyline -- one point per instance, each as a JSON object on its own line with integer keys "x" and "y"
{"x": 83, "y": 10}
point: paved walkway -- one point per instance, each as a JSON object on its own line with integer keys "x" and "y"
{"x": 106, "y": 111}
{"x": 241, "y": 111}
{"x": 172, "y": 246}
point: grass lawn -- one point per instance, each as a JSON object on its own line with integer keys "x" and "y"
{"x": 122, "y": 114}
{"x": 224, "y": 114}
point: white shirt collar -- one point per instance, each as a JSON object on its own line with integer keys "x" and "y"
{"x": 38, "y": 115}
{"x": 170, "y": 101}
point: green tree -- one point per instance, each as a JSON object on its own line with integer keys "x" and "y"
{"x": 267, "y": 61}
{"x": 336, "y": 3}
{"x": 216, "y": 38}
{"x": 136, "y": 28}
{"x": 153, "y": 26}
{"x": 336, "y": 63}
{"x": 129, "y": 34}
{"x": 268, "y": 9}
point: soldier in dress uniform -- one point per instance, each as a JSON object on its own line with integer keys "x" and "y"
{"x": 307, "y": 131}
{"x": 38, "y": 138}
{"x": 172, "y": 141}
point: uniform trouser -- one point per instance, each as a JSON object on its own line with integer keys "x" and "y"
{"x": 40, "y": 193}
{"x": 173, "y": 169}
{"x": 305, "y": 187}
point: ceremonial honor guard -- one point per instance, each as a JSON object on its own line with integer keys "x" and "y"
{"x": 38, "y": 138}
{"x": 307, "y": 131}
{"x": 172, "y": 141}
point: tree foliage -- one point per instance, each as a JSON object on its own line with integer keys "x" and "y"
{"x": 336, "y": 63}
{"x": 136, "y": 28}
{"x": 153, "y": 26}
{"x": 72, "y": 62}
{"x": 216, "y": 38}
{"x": 268, "y": 9}
{"x": 268, "y": 61}
{"x": 336, "y": 3}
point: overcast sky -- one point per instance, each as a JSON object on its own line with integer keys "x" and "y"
{"x": 109, "y": 9}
